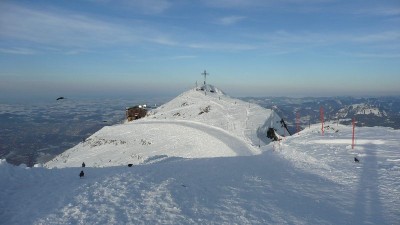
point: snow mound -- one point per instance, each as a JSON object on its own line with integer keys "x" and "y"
{"x": 361, "y": 109}
{"x": 193, "y": 125}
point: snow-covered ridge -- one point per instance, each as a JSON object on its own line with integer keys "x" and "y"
{"x": 361, "y": 109}
{"x": 196, "y": 124}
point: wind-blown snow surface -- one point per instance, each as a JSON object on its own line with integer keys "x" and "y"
{"x": 306, "y": 179}
{"x": 193, "y": 125}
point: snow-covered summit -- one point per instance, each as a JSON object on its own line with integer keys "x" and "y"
{"x": 361, "y": 109}
{"x": 196, "y": 124}
{"x": 210, "y": 88}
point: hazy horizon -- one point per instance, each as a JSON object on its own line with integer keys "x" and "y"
{"x": 160, "y": 47}
{"x": 152, "y": 97}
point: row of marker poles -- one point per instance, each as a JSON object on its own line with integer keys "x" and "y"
{"x": 321, "y": 111}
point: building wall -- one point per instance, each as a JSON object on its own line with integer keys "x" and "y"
{"x": 135, "y": 113}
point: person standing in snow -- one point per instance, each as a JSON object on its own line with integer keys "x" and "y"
{"x": 81, "y": 174}
{"x": 83, "y": 164}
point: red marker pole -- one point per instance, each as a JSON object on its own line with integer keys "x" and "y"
{"x": 352, "y": 140}
{"x": 321, "y": 112}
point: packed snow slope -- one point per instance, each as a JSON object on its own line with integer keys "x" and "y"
{"x": 304, "y": 179}
{"x": 196, "y": 124}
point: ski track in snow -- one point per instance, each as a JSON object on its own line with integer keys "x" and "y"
{"x": 235, "y": 144}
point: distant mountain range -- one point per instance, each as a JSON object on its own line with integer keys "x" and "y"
{"x": 376, "y": 111}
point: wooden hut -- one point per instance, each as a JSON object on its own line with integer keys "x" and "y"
{"x": 135, "y": 112}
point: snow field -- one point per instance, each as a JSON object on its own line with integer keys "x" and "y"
{"x": 274, "y": 187}
{"x": 375, "y": 181}
{"x": 152, "y": 138}
{"x": 191, "y": 168}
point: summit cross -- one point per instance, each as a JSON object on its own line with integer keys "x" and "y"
{"x": 205, "y": 75}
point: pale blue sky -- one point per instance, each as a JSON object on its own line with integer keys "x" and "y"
{"x": 250, "y": 47}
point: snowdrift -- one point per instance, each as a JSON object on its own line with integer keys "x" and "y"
{"x": 306, "y": 179}
{"x": 193, "y": 125}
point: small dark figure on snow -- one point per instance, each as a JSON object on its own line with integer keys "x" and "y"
{"x": 81, "y": 174}
{"x": 356, "y": 160}
{"x": 83, "y": 164}
{"x": 130, "y": 165}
